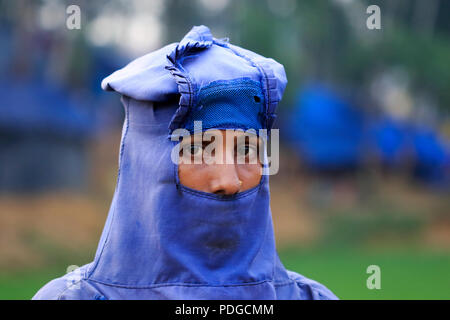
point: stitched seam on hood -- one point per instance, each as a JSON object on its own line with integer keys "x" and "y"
{"x": 158, "y": 285}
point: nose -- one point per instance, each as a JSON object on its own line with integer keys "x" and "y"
{"x": 225, "y": 180}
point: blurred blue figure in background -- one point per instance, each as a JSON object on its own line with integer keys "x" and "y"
{"x": 432, "y": 159}
{"x": 51, "y": 108}
{"x": 325, "y": 130}
{"x": 43, "y": 132}
{"x": 388, "y": 140}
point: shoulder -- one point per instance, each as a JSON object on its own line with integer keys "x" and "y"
{"x": 72, "y": 286}
{"x": 311, "y": 289}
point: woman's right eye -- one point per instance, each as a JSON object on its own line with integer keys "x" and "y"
{"x": 193, "y": 149}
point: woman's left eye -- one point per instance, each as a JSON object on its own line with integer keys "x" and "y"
{"x": 246, "y": 150}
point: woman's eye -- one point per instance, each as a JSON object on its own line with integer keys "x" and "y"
{"x": 194, "y": 149}
{"x": 246, "y": 151}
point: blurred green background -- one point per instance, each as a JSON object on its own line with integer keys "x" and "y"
{"x": 365, "y": 133}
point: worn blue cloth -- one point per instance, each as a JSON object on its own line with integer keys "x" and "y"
{"x": 163, "y": 240}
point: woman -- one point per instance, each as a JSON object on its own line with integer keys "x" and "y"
{"x": 190, "y": 217}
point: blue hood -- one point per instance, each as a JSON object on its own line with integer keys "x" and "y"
{"x": 163, "y": 240}
{"x": 161, "y": 233}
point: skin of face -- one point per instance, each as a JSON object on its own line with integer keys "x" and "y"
{"x": 205, "y": 164}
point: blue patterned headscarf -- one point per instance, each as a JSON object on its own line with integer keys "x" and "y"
{"x": 163, "y": 240}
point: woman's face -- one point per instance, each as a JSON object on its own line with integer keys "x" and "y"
{"x": 224, "y": 162}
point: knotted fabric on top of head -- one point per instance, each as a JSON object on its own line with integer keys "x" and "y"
{"x": 220, "y": 84}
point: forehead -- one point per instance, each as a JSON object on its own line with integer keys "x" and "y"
{"x": 225, "y": 134}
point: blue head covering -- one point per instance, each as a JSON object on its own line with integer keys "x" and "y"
{"x": 163, "y": 240}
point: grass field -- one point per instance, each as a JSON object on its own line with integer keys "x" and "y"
{"x": 405, "y": 273}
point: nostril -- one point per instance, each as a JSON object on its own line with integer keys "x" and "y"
{"x": 220, "y": 192}
{"x": 225, "y": 189}
{"x": 223, "y": 192}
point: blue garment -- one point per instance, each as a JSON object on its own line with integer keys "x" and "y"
{"x": 163, "y": 240}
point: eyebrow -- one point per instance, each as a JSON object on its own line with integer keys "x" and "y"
{"x": 248, "y": 139}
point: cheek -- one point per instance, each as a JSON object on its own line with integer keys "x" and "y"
{"x": 193, "y": 176}
{"x": 250, "y": 175}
